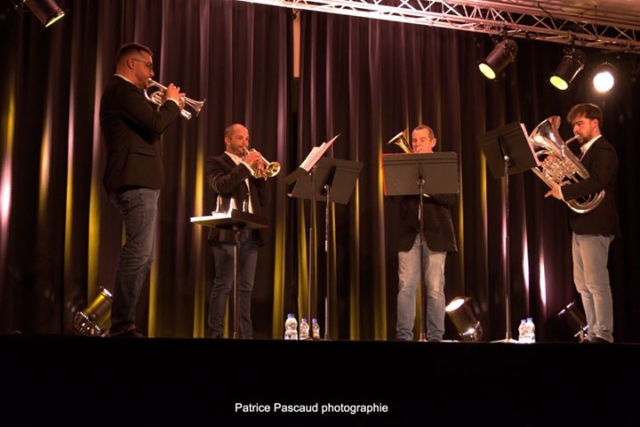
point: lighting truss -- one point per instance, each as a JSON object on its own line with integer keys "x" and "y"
{"x": 550, "y": 21}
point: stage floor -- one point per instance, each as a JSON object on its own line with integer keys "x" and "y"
{"x": 87, "y": 381}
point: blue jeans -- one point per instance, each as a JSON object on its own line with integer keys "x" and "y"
{"x": 223, "y": 284}
{"x": 139, "y": 209}
{"x": 408, "y": 279}
{"x": 591, "y": 277}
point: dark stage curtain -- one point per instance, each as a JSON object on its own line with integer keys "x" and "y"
{"x": 60, "y": 233}
{"x": 365, "y": 80}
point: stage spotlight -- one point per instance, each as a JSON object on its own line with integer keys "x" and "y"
{"x": 47, "y": 11}
{"x": 575, "y": 320}
{"x": 604, "y": 77}
{"x": 502, "y": 55}
{"x": 94, "y": 319}
{"x": 572, "y": 63}
{"x": 460, "y": 312}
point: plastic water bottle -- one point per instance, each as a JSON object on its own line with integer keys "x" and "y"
{"x": 304, "y": 329}
{"x": 531, "y": 330}
{"x": 522, "y": 331}
{"x": 315, "y": 329}
{"x": 291, "y": 327}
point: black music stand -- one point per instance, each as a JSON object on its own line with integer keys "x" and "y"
{"x": 237, "y": 221}
{"x": 420, "y": 174}
{"x": 508, "y": 152}
{"x": 333, "y": 181}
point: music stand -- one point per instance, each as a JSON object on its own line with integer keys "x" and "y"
{"x": 417, "y": 174}
{"x": 508, "y": 152}
{"x": 237, "y": 221}
{"x": 333, "y": 181}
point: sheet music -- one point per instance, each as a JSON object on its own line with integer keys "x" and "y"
{"x": 316, "y": 153}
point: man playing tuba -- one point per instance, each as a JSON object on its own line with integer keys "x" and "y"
{"x": 593, "y": 231}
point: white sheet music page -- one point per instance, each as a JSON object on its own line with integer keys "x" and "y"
{"x": 316, "y": 153}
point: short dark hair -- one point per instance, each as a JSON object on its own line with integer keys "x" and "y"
{"x": 431, "y": 133}
{"x": 127, "y": 49}
{"x": 590, "y": 111}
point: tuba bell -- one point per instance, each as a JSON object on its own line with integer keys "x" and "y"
{"x": 557, "y": 164}
{"x": 402, "y": 140}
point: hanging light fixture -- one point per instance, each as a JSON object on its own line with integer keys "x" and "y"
{"x": 604, "y": 77}
{"x": 572, "y": 63}
{"x": 502, "y": 55}
{"x": 47, "y": 11}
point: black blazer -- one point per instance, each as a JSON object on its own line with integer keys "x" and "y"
{"x": 601, "y": 161}
{"x": 132, "y": 126}
{"x": 438, "y": 226}
{"x": 228, "y": 180}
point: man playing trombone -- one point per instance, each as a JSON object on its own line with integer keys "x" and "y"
{"x": 236, "y": 176}
{"x": 134, "y": 173}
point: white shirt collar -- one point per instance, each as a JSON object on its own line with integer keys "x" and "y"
{"x": 585, "y": 147}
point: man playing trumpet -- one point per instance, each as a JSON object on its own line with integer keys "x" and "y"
{"x": 134, "y": 173}
{"x": 235, "y": 175}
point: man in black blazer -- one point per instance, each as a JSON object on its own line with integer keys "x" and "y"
{"x": 131, "y": 126}
{"x": 237, "y": 176}
{"x": 438, "y": 239}
{"x": 592, "y": 231}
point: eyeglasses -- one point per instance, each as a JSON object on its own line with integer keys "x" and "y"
{"x": 148, "y": 64}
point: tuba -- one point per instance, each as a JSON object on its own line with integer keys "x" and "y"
{"x": 557, "y": 164}
{"x": 402, "y": 140}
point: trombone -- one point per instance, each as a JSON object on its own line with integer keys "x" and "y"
{"x": 271, "y": 169}
{"x": 157, "y": 97}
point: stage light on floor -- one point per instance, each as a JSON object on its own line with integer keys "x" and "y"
{"x": 468, "y": 326}
{"x": 572, "y": 63}
{"x": 604, "y": 77}
{"x": 575, "y": 320}
{"x": 94, "y": 319}
{"x": 502, "y": 55}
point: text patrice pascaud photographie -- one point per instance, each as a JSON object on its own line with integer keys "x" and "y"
{"x": 325, "y": 408}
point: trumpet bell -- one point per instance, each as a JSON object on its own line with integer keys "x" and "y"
{"x": 272, "y": 169}
{"x": 402, "y": 140}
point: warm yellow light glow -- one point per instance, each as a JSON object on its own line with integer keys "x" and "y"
{"x": 454, "y": 305}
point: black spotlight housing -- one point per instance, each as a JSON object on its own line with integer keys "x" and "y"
{"x": 572, "y": 63}
{"x": 461, "y": 314}
{"x": 47, "y": 11}
{"x": 502, "y": 55}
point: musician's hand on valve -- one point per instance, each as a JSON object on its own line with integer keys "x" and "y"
{"x": 555, "y": 191}
{"x": 182, "y": 100}
{"x": 173, "y": 92}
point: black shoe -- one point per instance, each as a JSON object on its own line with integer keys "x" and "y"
{"x": 131, "y": 333}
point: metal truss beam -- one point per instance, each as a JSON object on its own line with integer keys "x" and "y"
{"x": 551, "y": 21}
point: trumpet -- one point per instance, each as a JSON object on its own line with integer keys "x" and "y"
{"x": 270, "y": 170}
{"x": 157, "y": 97}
